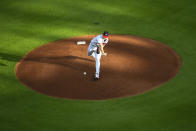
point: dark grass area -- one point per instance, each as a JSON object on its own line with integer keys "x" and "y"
{"x": 25, "y": 25}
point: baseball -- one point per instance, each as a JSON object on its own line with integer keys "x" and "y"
{"x": 84, "y": 73}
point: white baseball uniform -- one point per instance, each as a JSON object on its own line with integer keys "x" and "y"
{"x": 92, "y": 51}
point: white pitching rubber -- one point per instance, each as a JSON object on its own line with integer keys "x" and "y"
{"x": 81, "y": 42}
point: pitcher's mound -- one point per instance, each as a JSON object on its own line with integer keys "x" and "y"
{"x": 133, "y": 65}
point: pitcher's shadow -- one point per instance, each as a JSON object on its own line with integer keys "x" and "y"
{"x": 66, "y": 61}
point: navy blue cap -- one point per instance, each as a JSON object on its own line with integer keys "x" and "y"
{"x": 105, "y": 33}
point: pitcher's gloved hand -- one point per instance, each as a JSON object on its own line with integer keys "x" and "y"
{"x": 98, "y": 51}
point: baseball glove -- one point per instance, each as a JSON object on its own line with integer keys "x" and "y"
{"x": 98, "y": 51}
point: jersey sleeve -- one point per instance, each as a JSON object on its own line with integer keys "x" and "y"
{"x": 105, "y": 41}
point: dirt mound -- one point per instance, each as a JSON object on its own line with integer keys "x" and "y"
{"x": 133, "y": 65}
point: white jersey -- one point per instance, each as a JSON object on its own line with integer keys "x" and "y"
{"x": 97, "y": 40}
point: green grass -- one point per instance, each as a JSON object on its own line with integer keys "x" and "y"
{"x": 27, "y": 24}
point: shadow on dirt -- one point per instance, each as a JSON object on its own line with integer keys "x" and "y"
{"x": 67, "y": 61}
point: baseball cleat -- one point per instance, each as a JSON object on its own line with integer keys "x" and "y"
{"x": 96, "y": 78}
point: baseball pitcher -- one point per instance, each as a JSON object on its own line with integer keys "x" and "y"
{"x": 96, "y": 49}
